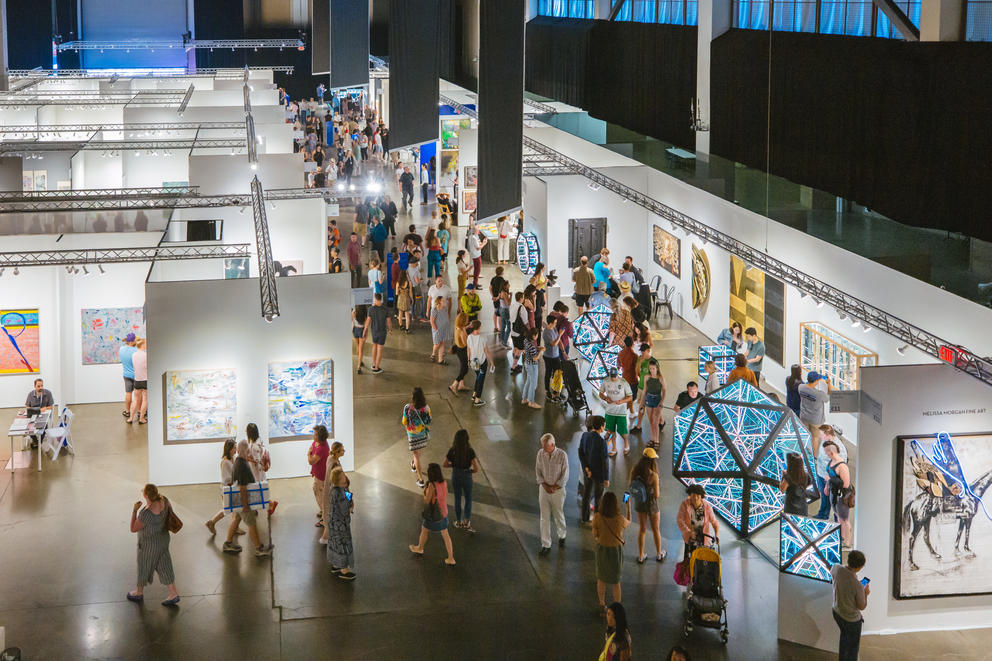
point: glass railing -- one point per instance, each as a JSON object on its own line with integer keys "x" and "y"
{"x": 950, "y": 261}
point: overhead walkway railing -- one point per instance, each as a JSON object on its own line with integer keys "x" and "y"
{"x": 51, "y": 130}
{"x": 199, "y": 72}
{"x": 181, "y": 44}
{"x": 821, "y": 292}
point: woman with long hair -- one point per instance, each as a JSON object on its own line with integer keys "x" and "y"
{"x": 795, "y": 479}
{"x": 651, "y": 397}
{"x": 358, "y": 315}
{"x": 645, "y": 472}
{"x": 531, "y": 359}
{"x": 540, "y": 283}
{"x": 444, "y": 236}
{"x": 340, "y": 550}
{"x": 440, "y": 329}
{"x": 317, "y": 458}
{"x": 792, "y": 383}
{"x": 608, "y": 525}
{"x": 435, "y": 514}
{"x": 259, "y": 459}
{"x": 464, "y": 265}
{"x": 333, "y": 462}
{"x": 460, "y": 349}
{"x": 618, "y": 643}
{"x": 433, "y": 245}
{"x": 462, "y": 461}
{"x": 151, "y": 524}
{"x": 416, "y": 419}
{"x": 226, "y": 471}
{"x": 404, "y": 301}
{"x": 530, "y": 305}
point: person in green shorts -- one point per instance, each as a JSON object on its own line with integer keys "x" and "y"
{"x": 616, "y": 393}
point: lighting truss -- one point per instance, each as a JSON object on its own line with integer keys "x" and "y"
{"x": 266, "y": 270}
{"x": 605, "y": 359}
{"x": 592, "y": 331}
{"x": 722, "y": 356}
{"x": 192, "y": 44}
{"x": 142, "y": 198}
{"x": 542, "y": 108}
{"x": 138, "y": 97}
{"x": 964, "y": 359}
{"x": 120, "y": 145}
{"x": 199, "y": 72}
{"x": 120, "y": 255}
{"x": 808, "y": 547}
{"x": 734, "y": 442}
{"x": 185, "y": 101}
{"x": 54, "y": 129}
{"x": 252, "y": 142}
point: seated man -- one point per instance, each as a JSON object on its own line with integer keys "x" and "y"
{"x": 40, "y": 399}
{"x": 687, "y": 396}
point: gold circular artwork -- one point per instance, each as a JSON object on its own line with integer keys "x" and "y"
{"x": 700, "y": 277}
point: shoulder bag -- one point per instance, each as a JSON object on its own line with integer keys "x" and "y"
{"x": 172, "y": 522}
{"x": 432, "y": 511}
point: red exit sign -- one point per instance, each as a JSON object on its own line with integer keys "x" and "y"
{"x": 954, "y": 355}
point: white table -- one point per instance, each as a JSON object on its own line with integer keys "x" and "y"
{"x": 35, "y": 426}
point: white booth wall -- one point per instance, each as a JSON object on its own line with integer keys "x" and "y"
{"x": 141, "y": 169}
{"x": 190, "y": 331}
{"x": 97, "y": 169}
{"x": 219, "y": 174}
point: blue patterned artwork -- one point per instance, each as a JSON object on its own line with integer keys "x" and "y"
{"x": 591, "y": 331}
{"x": 722, "y": 356}
{"x": 104, "y": 330}
{"x": 301, "y": 395}
{"x": 528, "y": 252}
{"x": 600, "y": 366}
{"x": 201, "y": 405}
{"x": 808, "y": 547}
{"x": 734, "y": 442}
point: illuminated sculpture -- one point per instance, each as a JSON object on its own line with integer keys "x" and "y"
{"x": 722, "y": 356}
{"x": 808, "y": 547}
{"x": 602, "y": 362}
{"x": 591, "y": 331}
{"x": 734, "y": 442}
{"x": 528, "y": 252}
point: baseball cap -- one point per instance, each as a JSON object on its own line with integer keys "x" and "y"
{"x": 613, "y": 371}
{"x": 469, "y": 286}
{"x": 650, "y": 453}
{"x": 813, "y": 376}
{"x": 129, "y": 337}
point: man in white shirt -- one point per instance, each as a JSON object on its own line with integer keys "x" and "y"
{"x": 439, "y": 290}
{"x": 813, "y": 398}
{"x": 616, "y": 393}
{"x": 503, "y": 228}
{"x": 551, "y": 470}
{"x": 850, "y": 598}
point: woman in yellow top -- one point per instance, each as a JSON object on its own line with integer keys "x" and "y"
{"x": 540, "y": 282}
{"x": 461, "y": 350}
{"x": 607, "y": 529}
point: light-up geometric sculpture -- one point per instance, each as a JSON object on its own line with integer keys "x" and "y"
{"x": 734, "y": 443}
{"x": 602, "y": 362}
{"x": 809, "y": 547}
{"x": 528, "y": 252}
{"x": 591, "y": 331}
{"x": 722, "y": 356}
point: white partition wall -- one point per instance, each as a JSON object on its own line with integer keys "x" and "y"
{"x": 188, "y": 330}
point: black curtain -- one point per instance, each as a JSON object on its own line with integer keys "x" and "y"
{"x": 349, "y": 43}
{"x": 501, "y": 107}
{"x": 899, "y": 127}
{"x": 320, "y": 36}
{"x": 413, "y": 72}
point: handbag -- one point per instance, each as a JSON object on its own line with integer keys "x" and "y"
{"x": 681, "y": 574}
{"x": 849, "y": 498}
{"x": 172, "y": 522}
{"x": 432, "y": 511}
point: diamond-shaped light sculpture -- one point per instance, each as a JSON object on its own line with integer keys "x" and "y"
{"x": 591, "y": 331}
{"x": 602, "y": 362}
{"x": 734, "y": 442}
{"x": 722, "y": 356}
{"x": 809, "y": 547}
{"x": 528, "y": 252}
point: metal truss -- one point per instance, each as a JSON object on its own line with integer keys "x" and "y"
{"x": 199, "y": 72}
{"x": 821, "y": 292}
{"x": 120, "y": 145}
{"x": 193, "y": 44}
{"x": 143, "y": 198}
{"x": 185, "y": 101}
{"x": 266, "y": 270}
{"x": 120, "y": 255}
{"x": 56, "y": 129}
{"x": 542, "y": 108}
{"x": 138, "y": 97}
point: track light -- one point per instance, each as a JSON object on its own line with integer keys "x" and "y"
{"x": 242, "y": 210}
{"x": 802, "y": 295}
{"x": 100, "y": 267}
{"x": 16, "y": 271}
{"x": 855, "y": 323}
{"x": 841, "y": 315}
{"x": 85, "y": 270}
{"x": 593, "y": 186}
{"x": 254, "y": 166}
{"x": 819, "y": 304}
{"x": 867, "y": 328}
{"x": 902, "y": 350}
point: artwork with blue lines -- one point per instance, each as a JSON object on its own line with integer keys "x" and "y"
{"x": 301, "y": 395}
{"x": 734, "y": 442}
{"x": 591, "y": 331}
{"x": 808, "y": 547}
{"x": 944, "y": 527}
{"x": 528, "y": 252}
{"x": 601, "y": 364}
{"x": 20, "y": 344}
{"x": 722, "y": 356}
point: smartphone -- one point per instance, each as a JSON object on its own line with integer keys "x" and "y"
{"x": 865, "y": 581}
{"x": 347, "y": 494}
{"x": 626, "y": 496}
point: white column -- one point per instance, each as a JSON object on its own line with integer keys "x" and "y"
{"x": 942, "y": 20}
{"x": 603, "y": 9}
{"x": 714, "y": 20}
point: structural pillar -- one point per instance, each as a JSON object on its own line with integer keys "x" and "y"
{"x": 942, "y": 20}
{"x": 602, "y": 9}
{"x": 714, "y": 20}
{"x": 4, "y": 76}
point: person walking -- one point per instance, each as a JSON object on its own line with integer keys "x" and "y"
{"x": 354, "y": 253}
{"x": 608, "y": 526}
{"x": 340, "y": 550}
{"x": 518, "y": 330}
{"x": 470, "y": 303}
{"x": 440, "y": 329}
{"x": 404, "y": 301}
{"x": 380, "y": 325}
{"x": 476, "y": 242}
{"x": 531, "y": 354}
{"x": 479, "y": 359}
{"x": 645, "y": 489}
{"x": 378, "y": 233}
{"x": 151, "y": 524}
{"x": 226, "y": 468}
{"x": 695, "y": 519}
{"x": 551, "y": 469}
{"x": 416, "y": 420}
{"x": 463, "y": 462}
{"x": 793, "y": 485}
{"x": 503, "y": 302}
{"x": 358, "y": 316}
{"x": 495, "y": 289}
{"x": 618, "y": 643}
{"x": 317, "y": 458}
{"x": 615, "y": 394}
{"x": 259, "y": 460}
{"x": 850, "y": 598}
{"x": 595, "y": 463}
{"x": 460, "y": 349}
{"x": 435, "y": 514}
{"x": 651, "y": 398}
{"x": 243, "y": 477}
{"x": 406, "y": 187}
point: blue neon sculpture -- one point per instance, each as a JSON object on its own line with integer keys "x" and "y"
{"x": 528, "y": 252}
{"x": 591, "y": 331}
{"x": 722, "y": 356}
{"x": 734, "y": 442}
{"x": 808, "y": 547}
{"x": 602, "y": 362}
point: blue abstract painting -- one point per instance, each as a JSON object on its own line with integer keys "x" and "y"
{"x": 301, "y": 395}
{"x": 201, "y": 405}
{"x": 808, "y": 547}
{"x": 104, "y": 330}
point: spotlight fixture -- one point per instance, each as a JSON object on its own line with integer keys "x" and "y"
{"x": 593, "y": 186}
{"x": 819, "y": 304}
{"x": 254, "y": 166}
{"x": 16, "y": 272}
{"x": 241, "y": 210}
{"x": 855, "y": 323}
{"x": 841, "y": 315}
{"x": 902, "y": 350}
{"x": 802, "y": 295}
{"x": 85, "y": 270}
{"x": 1, "y": 270}
{"x": 100, "y": 267}
{"x": 867, "y": 328}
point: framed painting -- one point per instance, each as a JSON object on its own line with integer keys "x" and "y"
{"x": 104, "y": 330}
{"x": 668, "y": 251}
{"x": 200, "y": 405}
{"x": 470, "y": 201}
{"x": 235, "y": 268}
{"x": 301, "y": 396}
{"x": 700, "y": 277}
{"x": 757, "y": 301}
{"x": 471, "y": 176}
{"x": 20, "y": 347}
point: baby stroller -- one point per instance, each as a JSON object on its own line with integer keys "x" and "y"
{"x": 570, "y": 392}
{"x": 704, "y": 602}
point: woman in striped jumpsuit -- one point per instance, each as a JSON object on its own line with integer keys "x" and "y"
{"x": 153, "y": 545}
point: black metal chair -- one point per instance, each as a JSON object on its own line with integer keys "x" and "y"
{"x": 663, "y": 299}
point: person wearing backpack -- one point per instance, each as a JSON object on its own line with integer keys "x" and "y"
{"x": 644, "y": 490}
{"x": 595, "y": 462}
{"x": 840, "y": 488}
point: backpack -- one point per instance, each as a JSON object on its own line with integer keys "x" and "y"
{"x": 638, "y": 491}
{"x": 519, "y": 326}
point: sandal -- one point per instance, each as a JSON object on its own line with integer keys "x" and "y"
{"x": 413, "y": 550}
{"x": 449, "y": 564}
{"x": 453, "y": 390}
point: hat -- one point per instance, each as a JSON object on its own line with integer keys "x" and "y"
{"x": 813, "y": 376}
{"x": 129, "y": 337}
{"x": 613, "y": 371}
{"x": 469, "y": 286}
{"x": 624, "y": 285}
{"x": 650, "y": 453}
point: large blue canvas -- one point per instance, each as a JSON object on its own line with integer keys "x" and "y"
{"x": 104, "y": 330}
{"x": 301, "y": 395}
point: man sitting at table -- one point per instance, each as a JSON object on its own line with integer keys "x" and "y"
{"x": 41, "y": 399}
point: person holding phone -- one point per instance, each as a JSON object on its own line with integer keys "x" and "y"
{"x": 607, "y": 529}
{"x": 340, "y": 550}
{"x": 850, "y": 598}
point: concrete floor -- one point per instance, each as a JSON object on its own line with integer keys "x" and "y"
{"x": 68, "y": 558}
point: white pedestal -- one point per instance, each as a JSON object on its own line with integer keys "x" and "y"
{"x": 805, "y": 612}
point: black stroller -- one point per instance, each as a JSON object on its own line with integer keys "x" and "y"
{"x": 566, "y": 387}
{"x": 704, "y": 602}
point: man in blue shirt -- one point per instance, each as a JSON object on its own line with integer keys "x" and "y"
{"x": 379, "y": 232}
{"x": 602, "y": 270}
{"x": 125, "y": 353}
{"x": 755, "y": 352}
{"x": 599, "y": 297}
{"x": 595, "y": 462}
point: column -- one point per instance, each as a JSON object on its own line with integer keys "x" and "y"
{"x": 942, "y": 20}
{"x": 4, "y": 78}
{"x": 714, "y": 20}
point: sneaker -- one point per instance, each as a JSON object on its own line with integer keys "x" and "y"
{"x": 413, "y": 467}
{"x": 263, "y": 551}
{"x": 421, "y": 484}
{"x": 231, "y": 547}
{"x": 661, "y": 556}
{"x": 561, "y": 542}
{"x": 479, "y": 402}
{"x": 377, "y": 370}
{"x": 545, "y": 550}
{"x": 467, "y": 527}
{"x": 350, "y": 576}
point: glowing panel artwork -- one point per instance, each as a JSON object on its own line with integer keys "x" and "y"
{"x": 20, "y": 349}
{"x": 808, "y": 547}
{"x": 599, "y": 368}
{"x": 104, "y": 330}
{"x": 734, "y": 442}
{"x": 722, "y": 356}
{"x": 301, "y": 395}
{"x": 201, "y": 405}
{"x": 528, "y": 252}
{"x": 591, "y": 331}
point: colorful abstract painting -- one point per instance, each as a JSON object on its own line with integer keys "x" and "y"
{"x": 201, "y": 405}
{"x": 301, "y": 395}
{"x": 20, "y": 349}
{"x": 668, "y": 251}
{"x": 104, "y": 330}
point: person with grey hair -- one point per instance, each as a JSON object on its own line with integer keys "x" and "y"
{"x": 242, "y": 476}
{"x": 551, "y": 470}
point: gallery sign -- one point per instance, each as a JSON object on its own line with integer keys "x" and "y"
{"x": 855, "y": 401}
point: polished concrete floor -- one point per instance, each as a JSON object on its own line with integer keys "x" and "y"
{"x": 68, "y": 559}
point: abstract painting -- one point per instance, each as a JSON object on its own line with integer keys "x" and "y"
{"x": 301, "y": 395}
{"x": 235, "y": 268}
{"x": 700, "y": 277}
{"x": 449, "y": 167}
{"x": 201, "y": 405}
{"x": 287, "y": 267}
{"x": 470, "y": 201}
{"x": 104, "y": 330}
{"x": 941, "y": 480}
{"x": 668, "y": 251}
{"x": 20, "y": 348}
{"x": 757, "y": 301}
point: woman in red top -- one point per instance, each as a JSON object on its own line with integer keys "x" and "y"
{"x": 435, "y": 498}
{"x": 433, "y": 244}
{"x": 317, "y": 458}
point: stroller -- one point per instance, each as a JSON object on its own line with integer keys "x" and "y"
{"x": 566, "y": 387}
{"x": 704, "y": 602}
